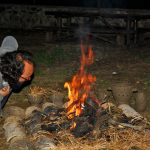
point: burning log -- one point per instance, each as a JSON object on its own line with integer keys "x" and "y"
{"x": 82, "y": 127}
{"x": 88, "y": 120}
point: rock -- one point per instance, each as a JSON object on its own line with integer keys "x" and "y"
{"x": 13, "y": 128}
{"x": 135, "y": 148}
{"x": 21, "y": 144}
{"x": 57, "y": 98}
{"x": 50, "y": 109}
{"x": 44, "y": 143}
{"x": 11, "y": 119}
{"x": 130, "y": 112}
{"x": 30, "y": 110}
{"x": 14, "y": 111}
{"x": 140, "y": 104}
{"x": 35, "y": 99}
{"x": 33, "y": 123}
{"x": 47, "y": 104}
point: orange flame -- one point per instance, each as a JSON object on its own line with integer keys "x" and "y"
{"x": 80, "y": 86}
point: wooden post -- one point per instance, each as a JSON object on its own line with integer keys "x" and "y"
{"x": 69, "y": 21}
{"x": 120, "y": 40}
{"x": 49, "y": 36}
{"x": 135, "y": 30}
{"x": 59, "y": 22}
{"x": 59, "y": 25}
{"x": 128, "y": 30}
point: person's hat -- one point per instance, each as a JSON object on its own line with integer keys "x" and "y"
{"x": 9, "y": 44}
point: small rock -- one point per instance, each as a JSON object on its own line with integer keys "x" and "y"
{"x": 21, "y": 145}
{"x": 44, "y": 143}
{"x": 14, "y": 111}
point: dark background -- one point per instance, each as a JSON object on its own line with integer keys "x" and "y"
{"x": 129, "y": 4}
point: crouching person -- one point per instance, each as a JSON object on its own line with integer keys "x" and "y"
{"x": 16, "y": 70}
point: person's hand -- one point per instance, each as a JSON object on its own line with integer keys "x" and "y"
{"x": 5, "y": 91}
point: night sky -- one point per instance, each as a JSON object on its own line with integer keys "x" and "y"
{"x": 131, "y": 4}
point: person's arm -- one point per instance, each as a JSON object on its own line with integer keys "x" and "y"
{"x": 4, "y": 100}
{"x": 4, "y": 95}
{"x": 5, "y": 91}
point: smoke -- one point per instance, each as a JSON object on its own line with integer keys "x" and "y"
{"x": 84, "y": 30}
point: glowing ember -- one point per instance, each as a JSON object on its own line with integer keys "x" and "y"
{"x": 80, "y": 86}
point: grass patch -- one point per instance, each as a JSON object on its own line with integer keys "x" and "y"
{"x": 58, "y": 56}
{"x": 144, "y": 55}
{"x": 146, "y": 83}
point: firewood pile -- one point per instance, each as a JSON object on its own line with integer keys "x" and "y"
{"x": 100, "y": 126}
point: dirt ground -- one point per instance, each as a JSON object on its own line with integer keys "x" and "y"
{"x": 112, "y": 64}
